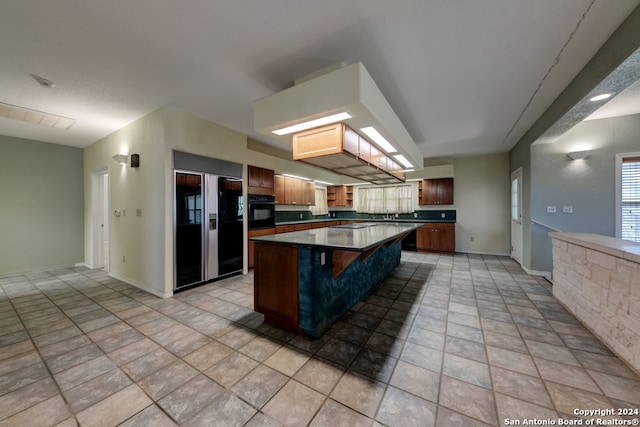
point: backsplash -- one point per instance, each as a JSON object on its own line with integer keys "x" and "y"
{"x": 422, "y": 215}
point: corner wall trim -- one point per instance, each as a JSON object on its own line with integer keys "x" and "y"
{"x": 142, "y": 286}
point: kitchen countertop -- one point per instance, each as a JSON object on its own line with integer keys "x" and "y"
{"x": 343, "y": 237}
{"x": 383, "y": 221}
{"x": 624, "y": 249}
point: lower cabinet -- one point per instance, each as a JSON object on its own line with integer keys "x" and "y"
{"x": 276, "y": 284}
{"x": 436, "y": 236}
{"x": 256, "y": 233}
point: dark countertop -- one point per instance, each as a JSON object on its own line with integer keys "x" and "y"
{"x": 343, "y": 237}
{"x": 383, "y": 221}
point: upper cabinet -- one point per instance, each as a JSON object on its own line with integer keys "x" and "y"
{"x": 341, "y": 150}
{"x": 294, "y": 191}
{"x": 260, "y": 180}
{"x": 436, "y": 191}
{"x": 340, "y": 195}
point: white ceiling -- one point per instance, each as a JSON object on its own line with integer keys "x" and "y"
{"x": 466, "y": 77}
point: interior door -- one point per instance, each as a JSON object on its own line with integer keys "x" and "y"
{"x": 516, "y": 215}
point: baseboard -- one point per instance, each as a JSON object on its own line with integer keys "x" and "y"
{"x": 545, "y": 274}
{"x": 39, "y": 269}
{"x": 141, "y": 286}
{"x": 483, "y": 253}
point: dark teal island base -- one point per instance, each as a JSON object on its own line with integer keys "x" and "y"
{"x": 324, "y": 299}
{"x": 307, "y": 280}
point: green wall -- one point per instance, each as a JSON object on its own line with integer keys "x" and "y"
{"x": 41, "y": 199}
{"x": 586, "y": 185}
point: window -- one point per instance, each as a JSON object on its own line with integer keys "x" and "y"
{"x": 630, "y": 198}
{"x": 385, "y": 200}
{"x": 321, "y": 207}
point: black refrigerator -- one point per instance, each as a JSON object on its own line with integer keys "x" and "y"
{"x": 209, "y": 228}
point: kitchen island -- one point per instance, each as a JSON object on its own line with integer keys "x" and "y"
{"x": 306, "y": 280}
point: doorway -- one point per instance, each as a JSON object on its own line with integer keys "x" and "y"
{"x": 100, "y": 219}
{"x": 516, "y": 215}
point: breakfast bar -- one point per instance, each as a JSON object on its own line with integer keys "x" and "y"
{"x": 306, "y": 280}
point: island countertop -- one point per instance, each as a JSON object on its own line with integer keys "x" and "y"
{"x": 357, "y": 236}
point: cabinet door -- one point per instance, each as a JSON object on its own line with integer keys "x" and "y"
{"x": 279, "y": 189}
{"x": 254, "y": 177}
{"x": 308, "y": 193}
{"x": 424, "y": 237}
{"x": 267, "y": 178}
{"x": 445, "y": 237}
{"x": 276, "y": 284}
{"x": 436, "y": 191}
{"x": 351, "y": 142}
{"x": 292, "y": 191}
{"x": 319, "y": 141}
{"x": 445, "y": 191}
{"x": 251, "y": 245}
{"x": 341, "y": 196}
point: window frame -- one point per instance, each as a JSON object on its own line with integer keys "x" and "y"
{"x": 619, "y": 160}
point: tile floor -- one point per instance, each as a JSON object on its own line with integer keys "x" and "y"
{"x": 446, "y": 340}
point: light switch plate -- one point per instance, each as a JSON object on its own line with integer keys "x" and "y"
{"x": 567, "y": 209}
{"x": 551, "y": 209}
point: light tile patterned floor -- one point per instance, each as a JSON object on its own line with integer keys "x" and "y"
{"x": 462, "y": 340}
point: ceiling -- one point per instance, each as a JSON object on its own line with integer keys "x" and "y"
{"x": 466, "y": 78}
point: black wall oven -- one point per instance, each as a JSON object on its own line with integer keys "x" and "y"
{"x": 262, "y": 211}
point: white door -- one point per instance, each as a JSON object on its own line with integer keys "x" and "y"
{"x": 516, "y": 215}
{"x": 99, "y": 219}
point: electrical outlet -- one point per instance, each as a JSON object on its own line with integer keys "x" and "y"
{"x": 442, "y": 215}
{"x": 415, "y": 214}
{"x": 301, "y": 216}
{"x": 551, "y": 209}
{"x": 323, "y": 258}
{"x": 567, "y": 209}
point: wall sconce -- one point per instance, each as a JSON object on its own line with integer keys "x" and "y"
{"x": 135, "y": 160}
{"x": 120, "y": 158}
{"x": 579, "y": 155}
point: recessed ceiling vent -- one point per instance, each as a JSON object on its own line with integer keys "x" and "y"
{"x": 37, "y": 117}
{"x": 42, "y": 81}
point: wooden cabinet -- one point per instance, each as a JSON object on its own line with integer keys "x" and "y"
{"x": 276, "y": 284}
{"x": 436, "y": 236}
{"x": 294, "y": 191}
{"x": 287, "y": 228}
{"x": 340, "y": 195}
{"x": 260, "y": 180}
{"x": 308, "y": 193}
{"x": 339, "y": 149}
{"x": 256, "y": 233}
{"x": 279, "y": 189}
{"x": 436, "y": 191}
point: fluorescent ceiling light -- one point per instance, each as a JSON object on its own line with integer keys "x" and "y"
{"x": 296, "y": 176}
{"x": 323, "y": 182}
{"x": 313, "y": 123}
{"x": 600, "y": 97}
{"x": 372, "y": 133}
{"x": 406, "y": 163}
